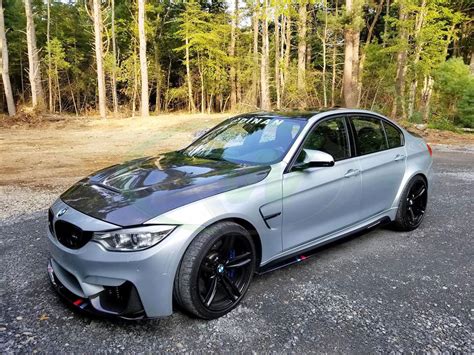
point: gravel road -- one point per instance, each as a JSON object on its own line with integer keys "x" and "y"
{"x": 383, "y": 291}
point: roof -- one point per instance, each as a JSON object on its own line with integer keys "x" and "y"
{"x": 294, "y": 114}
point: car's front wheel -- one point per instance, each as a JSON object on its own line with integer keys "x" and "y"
{"x": 216, "y": 270}
{"x": 412, "y": 206}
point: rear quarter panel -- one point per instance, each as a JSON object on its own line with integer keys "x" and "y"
{"x": 418, "y": 161}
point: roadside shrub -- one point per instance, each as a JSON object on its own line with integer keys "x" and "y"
{"x": 442, "y": 123}
{"x": 417, "y": 117}
{"x": 454, "y": 85}
{"x": 465, "y": 116}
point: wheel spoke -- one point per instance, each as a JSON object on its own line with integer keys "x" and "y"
{"x": 211, "y": 293}
{"x": 410, "y": 209}
{"x": 239, "y": 261}
{"x": 419, "y": 194}
{"x": 227, "y": 244}
{"x": 230, "y": 288}
{"x": 239, "y": 264}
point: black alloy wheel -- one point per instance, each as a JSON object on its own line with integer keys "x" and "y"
{"x": 412, "y": 207}
{"x": 225, "y": 272}
{"x": 416, "y": 203}
{"x": 216, "y": 270}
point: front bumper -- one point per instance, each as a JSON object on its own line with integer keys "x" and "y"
{"x": 90, "y": 276}
{"x": 118, "y": 301}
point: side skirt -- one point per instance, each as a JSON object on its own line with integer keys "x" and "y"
{"x": 307, "y": 253}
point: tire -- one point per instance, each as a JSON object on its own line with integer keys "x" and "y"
{"x": 216, "y": 271}
{"x": 412, "y": 206}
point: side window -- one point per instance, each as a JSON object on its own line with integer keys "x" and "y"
{"x": 394, "y": 136}
{"x": 330, "y": 136}
{"x": 369, "y": 135}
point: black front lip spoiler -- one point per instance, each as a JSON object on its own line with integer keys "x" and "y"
{"x": 84, "y": 305}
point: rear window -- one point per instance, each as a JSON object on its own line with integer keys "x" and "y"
{"x": 369, "y": 135}
{"x": 394, "y": 136}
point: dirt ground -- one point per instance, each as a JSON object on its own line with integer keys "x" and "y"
{"x": 57, "y": 151}
{"x": 53, "y": 153}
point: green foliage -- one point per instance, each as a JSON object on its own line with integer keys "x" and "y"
{"x": 417, "y": 117}
{"x": 466, "y": 107}
{"x": 58, "y": 55}
{"x": 203, "y": 28}
{"x": 455, "y": 88}
{"x": 442, "y": 123}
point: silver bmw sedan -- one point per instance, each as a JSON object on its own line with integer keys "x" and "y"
{"x": 259, "y": 191}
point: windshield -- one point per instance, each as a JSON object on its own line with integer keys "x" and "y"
{"x": 248, "y": 140}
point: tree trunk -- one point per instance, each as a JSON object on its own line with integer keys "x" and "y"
{"x": 135, "y": 79}
{"x": 264, "y": 80}
{"x": 238, "y": 85}
{"x": 281, "y": 55}
{"x": 365, "y": 49}
{"x": 277, "y": 60}
{"x": 201, "y": 78}
{"x": 48, "y": 44}
{"x": 158, "y": 75}
{"x": 233, "y": 31}
{"x": 72, "y": 94}
{"x": 349, "y": 97}
{"x": 191, "y": 105}
{"x": 416, "y": 58}
{"x": 471, "y": 64}
{"x": 355, "y": 64}
{"x": 97, "y": 16}
{"x": 286, "y": 59}
{"x": 324, "y": 42}
{"x": 399, "y": 100}
{"x": 56, "y": 73}
{"x": 426, "y": 96}
{"x": 22, "y": 79}
{"x": 301, "y": 79}
{"x": 4, "y": 65}
{"x": 114, "y": 64}
{"x": 37, "y": 97}
{"x": 351, "y": 54}
{"x": 145, "y": 101}
{"x": 334, "y": 58}
{"x": 255, "y": 25}
{"x": 385, "y": 24}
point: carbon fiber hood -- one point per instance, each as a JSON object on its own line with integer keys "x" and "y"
{"x": 136, "y": 191}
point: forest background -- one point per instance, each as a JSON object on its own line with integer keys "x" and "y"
{"x": 409, "y": 59}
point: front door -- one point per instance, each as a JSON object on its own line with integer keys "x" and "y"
{"x": 319, "y": 201}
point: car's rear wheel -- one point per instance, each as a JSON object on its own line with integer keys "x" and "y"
{"x": 412, "y": 206}
{"x": 216, "y": 270}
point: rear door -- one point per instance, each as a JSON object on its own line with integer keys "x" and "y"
{"x": 319, "y": 201}
{"x": 382, "y": 157}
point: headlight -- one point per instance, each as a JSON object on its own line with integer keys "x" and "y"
{"x": 132, "y": 239}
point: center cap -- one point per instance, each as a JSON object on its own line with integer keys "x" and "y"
{"x": 220, "y": 268}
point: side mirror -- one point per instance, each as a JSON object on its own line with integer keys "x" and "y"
{"x": 314, "y": 159}
{"x": 200, "y": 133}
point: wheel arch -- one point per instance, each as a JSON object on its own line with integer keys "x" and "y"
{"x": 424, "y": 178}
{"x": 251, "y": 229}
{"x": 406, "y": 181}
{"x": 418, "y": 173}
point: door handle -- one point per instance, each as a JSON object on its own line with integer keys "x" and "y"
{"x": 352, "y": 172}
{"x": 399, "y": 157}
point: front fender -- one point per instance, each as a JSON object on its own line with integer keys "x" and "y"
{"x": 244, "y": 203}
